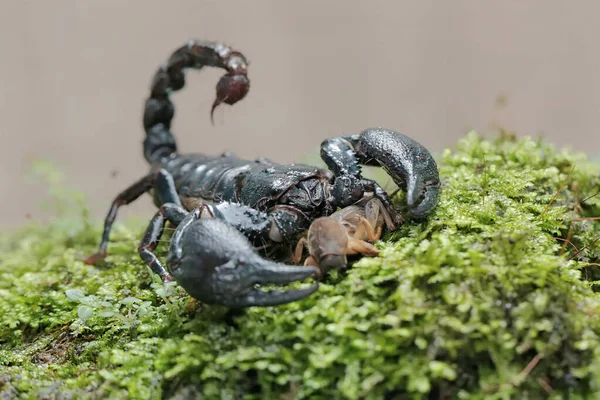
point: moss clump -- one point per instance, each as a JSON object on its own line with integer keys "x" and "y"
{"x": 491, "y": 297}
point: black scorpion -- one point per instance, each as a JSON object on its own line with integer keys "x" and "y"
{"x": 263, "y": 202}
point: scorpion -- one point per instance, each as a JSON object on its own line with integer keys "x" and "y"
{"x": 265, "y": 202}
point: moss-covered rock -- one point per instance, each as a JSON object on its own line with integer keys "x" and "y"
{"x": 491, "y": 297}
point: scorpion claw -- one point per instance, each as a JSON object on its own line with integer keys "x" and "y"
{"x": 411, "y": 166}
{"x": 422, "y": 196}
{"x": 282, "y": 274}
{"x": 259, "y": 298}
{"x": 217, "y": 264}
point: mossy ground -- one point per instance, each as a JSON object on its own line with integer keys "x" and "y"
{"x": 485, "y": 299}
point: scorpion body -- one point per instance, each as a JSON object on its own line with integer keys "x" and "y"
{"x": 290, "y": 194}
{"x": 266, "y": 202}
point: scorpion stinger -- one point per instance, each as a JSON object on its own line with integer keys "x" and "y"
{"x": 215, "y": 263}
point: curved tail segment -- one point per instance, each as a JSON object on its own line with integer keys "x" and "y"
{"x": 159, "y": 110}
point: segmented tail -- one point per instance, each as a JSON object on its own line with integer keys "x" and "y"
{"x": 159, "y": 111}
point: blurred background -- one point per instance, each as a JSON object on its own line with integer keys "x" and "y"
{"x": 75, "y": 75}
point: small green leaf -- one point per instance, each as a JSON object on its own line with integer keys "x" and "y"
{"x": 74, "y": 294}
{"x": 106, "y": 313}
{"x": 130, "y": 300}
{"x": 84, "y": 312}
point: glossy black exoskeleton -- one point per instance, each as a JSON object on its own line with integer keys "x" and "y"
{"x": 286, "y": 198}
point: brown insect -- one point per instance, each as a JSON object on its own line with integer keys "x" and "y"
{"x": 350, "y": 230}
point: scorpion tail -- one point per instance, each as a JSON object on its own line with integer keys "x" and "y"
{"x": 159, "y": 111}
{"x": 159, "y": 142}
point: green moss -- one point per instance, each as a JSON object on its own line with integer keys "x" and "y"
{"x": 486, "y": 299}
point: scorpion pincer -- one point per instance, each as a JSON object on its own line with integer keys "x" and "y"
{"x": 286, "y": 198}
{"x": 214, "y": 262}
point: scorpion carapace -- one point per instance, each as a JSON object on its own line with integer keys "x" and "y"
{"x": 287, "y": 198}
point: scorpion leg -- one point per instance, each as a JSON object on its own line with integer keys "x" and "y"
{"x": 171, "y": 212}
{"x": 217, "y": 264}
{"x": 125, "y": 197}
{"x": 165, "y": 191}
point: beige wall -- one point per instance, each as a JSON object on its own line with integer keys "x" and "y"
{"x": 74, "y": 75}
